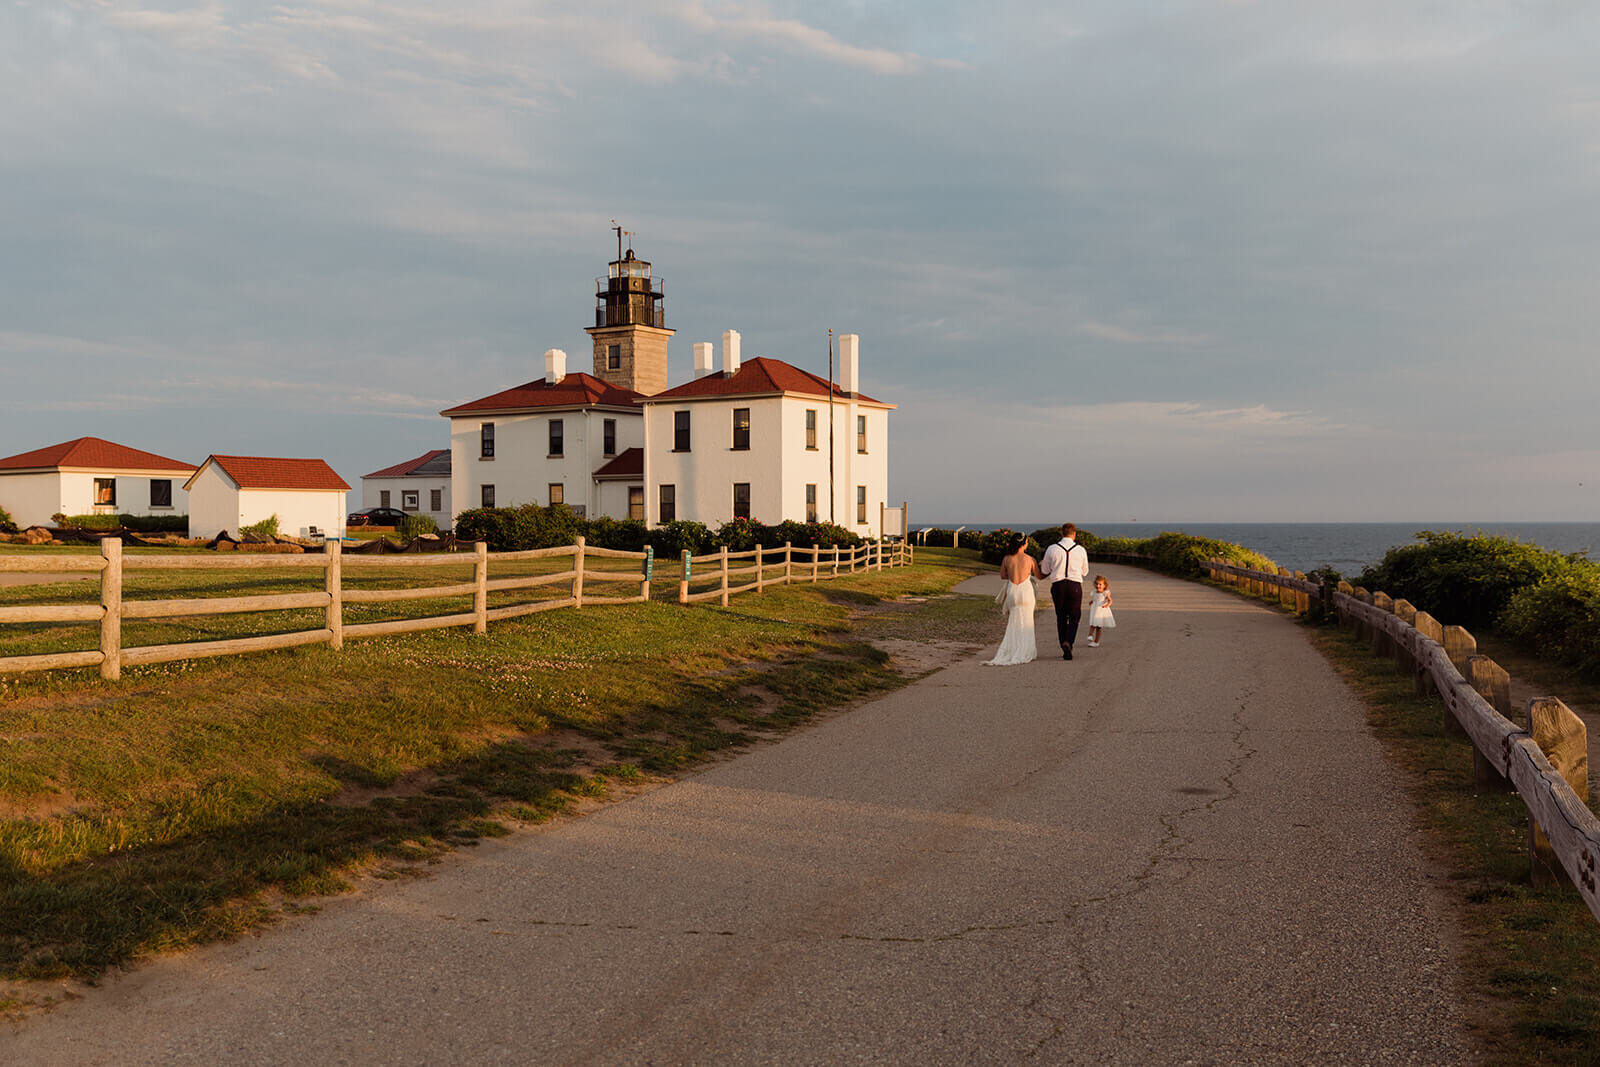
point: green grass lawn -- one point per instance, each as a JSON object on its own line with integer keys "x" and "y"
{"x": 193, "y": 800}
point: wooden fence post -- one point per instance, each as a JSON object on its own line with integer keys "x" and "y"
{"x": 788, "y": 562}
{"x": 333, "y": 582}
{"x": 759, "y": 573}
{"x": 1285, "y": 594}
{"x": 1564, "y": 740}
{"x": 111, "y": 605}
{"x": 1302, "y": 599}
{"x": 683, "y": 582}
{"x": 577, "y": 573}
{"x": 1494, "y": 685}
{"x": 1460, "y": 646}
{"x": 1380, "y": 638}
{"x": 1430, "y": 628}
{"x": 649, "y": 572}
{"x": 480, "y": 595}
{"x": 1406, "y": 613}
{"x": 835, "y": 573}
{"x": 816, "y": 562}
{"x": 724, "y": 575}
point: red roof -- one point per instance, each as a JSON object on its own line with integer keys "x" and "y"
{"x": 574, "y": 391}
{"x": 93, "y": 452}
{"x": 761, "y": 376}
{"x": 268, "y": 472}
{"x": 410, "y": 466}
{"x": 630, "y": 464}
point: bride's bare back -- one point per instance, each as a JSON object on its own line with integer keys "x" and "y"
{"x": 1017, "y": 567}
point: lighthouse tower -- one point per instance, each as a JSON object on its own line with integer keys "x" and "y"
{"x": 630, "y": 325}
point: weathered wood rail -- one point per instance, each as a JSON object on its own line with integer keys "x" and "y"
{"x": 1546, "y": 761}
{"x": 767, "y": 566}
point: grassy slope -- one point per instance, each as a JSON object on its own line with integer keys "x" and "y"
{"x": 191, "y": 801}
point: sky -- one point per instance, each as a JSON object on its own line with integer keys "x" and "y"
{"x": 1217, "y": 260}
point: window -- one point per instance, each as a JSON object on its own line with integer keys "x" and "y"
{"x": 486, "y": 440}
{"x": 609, "y": 434}
{"x": 680, "y": 431}
{"x": 741, "y": 429}
{"x": 613, "y": 357}
{"x": 669, "y": 504}
{"x": 741, "y": 500}
{"x": 636, "y": 502}
{"x": 811, "y": 502}
{"x": 436, "y": 500}
{"x": 105, "y": 491}
{"x": 383, "y": 498}
{"x": 558, "y": 493}
{"x": 487, "y": 493}
{"x": 557, "y": 442}
{"x": 861, "y": 503}
{"x": 861, "y": 434}
{"x": 161, "y": 492}
{"x": 410, "y": 500}
{"x": 811, "y": 429}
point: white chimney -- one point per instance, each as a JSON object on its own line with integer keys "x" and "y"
{"x": 703, "y": 364}
{"x": 555, "y": 366}
{"x": 849, "y": 363}
{"x": 730, "y": 351}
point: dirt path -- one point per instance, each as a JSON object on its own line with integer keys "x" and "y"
{"x": 1183, "y": 846}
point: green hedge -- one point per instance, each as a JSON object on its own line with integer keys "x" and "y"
{"x": 1460, "y": 580}
{"x": 7, "y": 524}
{"x": 136, "y": 523}
{"x": 532, "y": 526}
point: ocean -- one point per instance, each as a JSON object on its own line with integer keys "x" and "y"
{"x": 1347, "y": 547}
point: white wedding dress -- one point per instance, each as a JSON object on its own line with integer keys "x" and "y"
{"x": 1017, "y": 600}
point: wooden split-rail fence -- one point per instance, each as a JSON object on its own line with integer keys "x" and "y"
{"x": 717, "y": 575}
{"x": 1545, "y": 758}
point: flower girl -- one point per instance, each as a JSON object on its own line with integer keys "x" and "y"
{"x": 1100, "y": 617}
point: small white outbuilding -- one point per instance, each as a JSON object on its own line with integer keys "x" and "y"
{"x": 232, "y": 492}
{"x": 90, "y": 476}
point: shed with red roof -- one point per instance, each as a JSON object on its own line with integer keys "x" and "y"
{"x": 228, "y": 493}
{"x": 419, "y": 486}
{"x": 91, "y": 476}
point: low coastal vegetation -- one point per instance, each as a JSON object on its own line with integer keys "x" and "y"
{"x": 191, "y": 801}
{"x": 1171, "y": 552}
{"x": 532, "y": 526}
{"x": 1547, "y": 603}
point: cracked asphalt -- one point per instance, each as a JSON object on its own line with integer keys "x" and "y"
{"x": 1181, "y": 847}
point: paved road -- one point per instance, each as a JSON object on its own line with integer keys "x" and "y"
{"x": 1181, "y": 847}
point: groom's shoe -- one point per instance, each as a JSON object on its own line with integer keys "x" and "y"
{"x": 1066, "y": 651}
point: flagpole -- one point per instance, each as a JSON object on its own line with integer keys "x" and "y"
{"x": 830, "y": 428}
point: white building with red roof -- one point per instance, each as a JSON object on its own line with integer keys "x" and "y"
{"x": 762, "y": 439}
{"x": 419, "y": 486}
{"x": 91, "y": 476}
{"x": 228, "y": 493}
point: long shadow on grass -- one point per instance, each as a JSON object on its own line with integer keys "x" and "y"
{"x": 80, "y": 919}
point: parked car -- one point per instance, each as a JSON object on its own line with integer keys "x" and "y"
{"x": 376, "y": 517}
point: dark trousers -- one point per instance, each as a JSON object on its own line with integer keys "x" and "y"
{"x": 1068, "y": 599}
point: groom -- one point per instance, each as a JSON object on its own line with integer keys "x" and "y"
{"x": 1065, "y": 565}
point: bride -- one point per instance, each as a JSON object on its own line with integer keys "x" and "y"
{"x": 1017, "y": 600}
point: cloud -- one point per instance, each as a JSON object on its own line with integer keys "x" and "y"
{"x": 806, "y": 39}
{"x": 1122, "y": 335}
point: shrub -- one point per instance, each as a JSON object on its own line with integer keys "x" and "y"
{"x": 625, "y": 535}
{"x": 7, "y": 523}
{"x": 265, "y": 530}
{"x": 672, "y": 539}
{"x": 741, "y": 535}
{"x": 413, "y": 526}
{"x": 1466, "y": 581}
{"x": 137, "y": 523}
{"x": 1559, "y": 618}
{"x": 520, "y": 528}
{"x": 996, "y": 545}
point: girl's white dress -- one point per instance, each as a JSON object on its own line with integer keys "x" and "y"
{"x": 1017, "y": 600}
{"x": 1099, "y": 614}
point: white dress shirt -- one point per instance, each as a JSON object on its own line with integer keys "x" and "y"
{"x": 1066, "y": 560}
